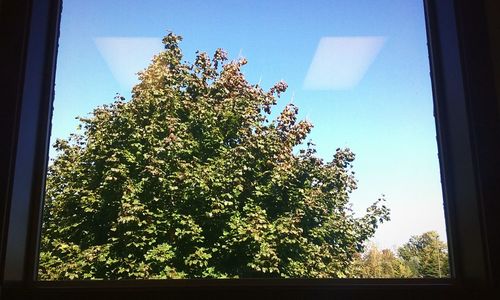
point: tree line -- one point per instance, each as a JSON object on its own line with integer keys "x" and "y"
{"x": 423, "y": 256}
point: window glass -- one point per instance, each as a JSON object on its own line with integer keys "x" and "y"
{"x": 259, "y": 139}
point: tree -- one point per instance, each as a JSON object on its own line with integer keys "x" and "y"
{"x": 375, "y": 263}
{"x": 426, "y": 255}
{"x": 190, "y": 179}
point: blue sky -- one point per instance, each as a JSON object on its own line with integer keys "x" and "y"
{"x": 358, "y": 70}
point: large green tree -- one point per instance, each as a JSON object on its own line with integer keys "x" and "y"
{"x": 190, "y": 179}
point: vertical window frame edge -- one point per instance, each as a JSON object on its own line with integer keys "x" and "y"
{"x": 468, "y": 257}
{"x": 31, "y": 143}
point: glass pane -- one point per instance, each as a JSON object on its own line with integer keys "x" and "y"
{"x": 275, "y": 139}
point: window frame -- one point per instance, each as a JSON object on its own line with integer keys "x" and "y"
{"x": 457, "y": 108}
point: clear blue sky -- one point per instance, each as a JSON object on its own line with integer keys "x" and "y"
{"x": 382, "y": 110}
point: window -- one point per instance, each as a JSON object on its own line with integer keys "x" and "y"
{"x": 166, "y": 181}
{"x": 19, "y": 261}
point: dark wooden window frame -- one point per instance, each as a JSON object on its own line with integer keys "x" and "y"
{"x": 465, "y": 106}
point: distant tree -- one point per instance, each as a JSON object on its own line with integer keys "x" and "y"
{"x": 426, "y": 255}
{"x": 190, "y": 179}
{"x": 375, "y": 263}
{"x": 423, "y": 256}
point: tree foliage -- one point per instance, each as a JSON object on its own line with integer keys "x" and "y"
{"x": 426, "y": 255}
{"x": 423, "y": 256}
{"x": 191, "y": 179}
{"x": 375, "y": 263}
